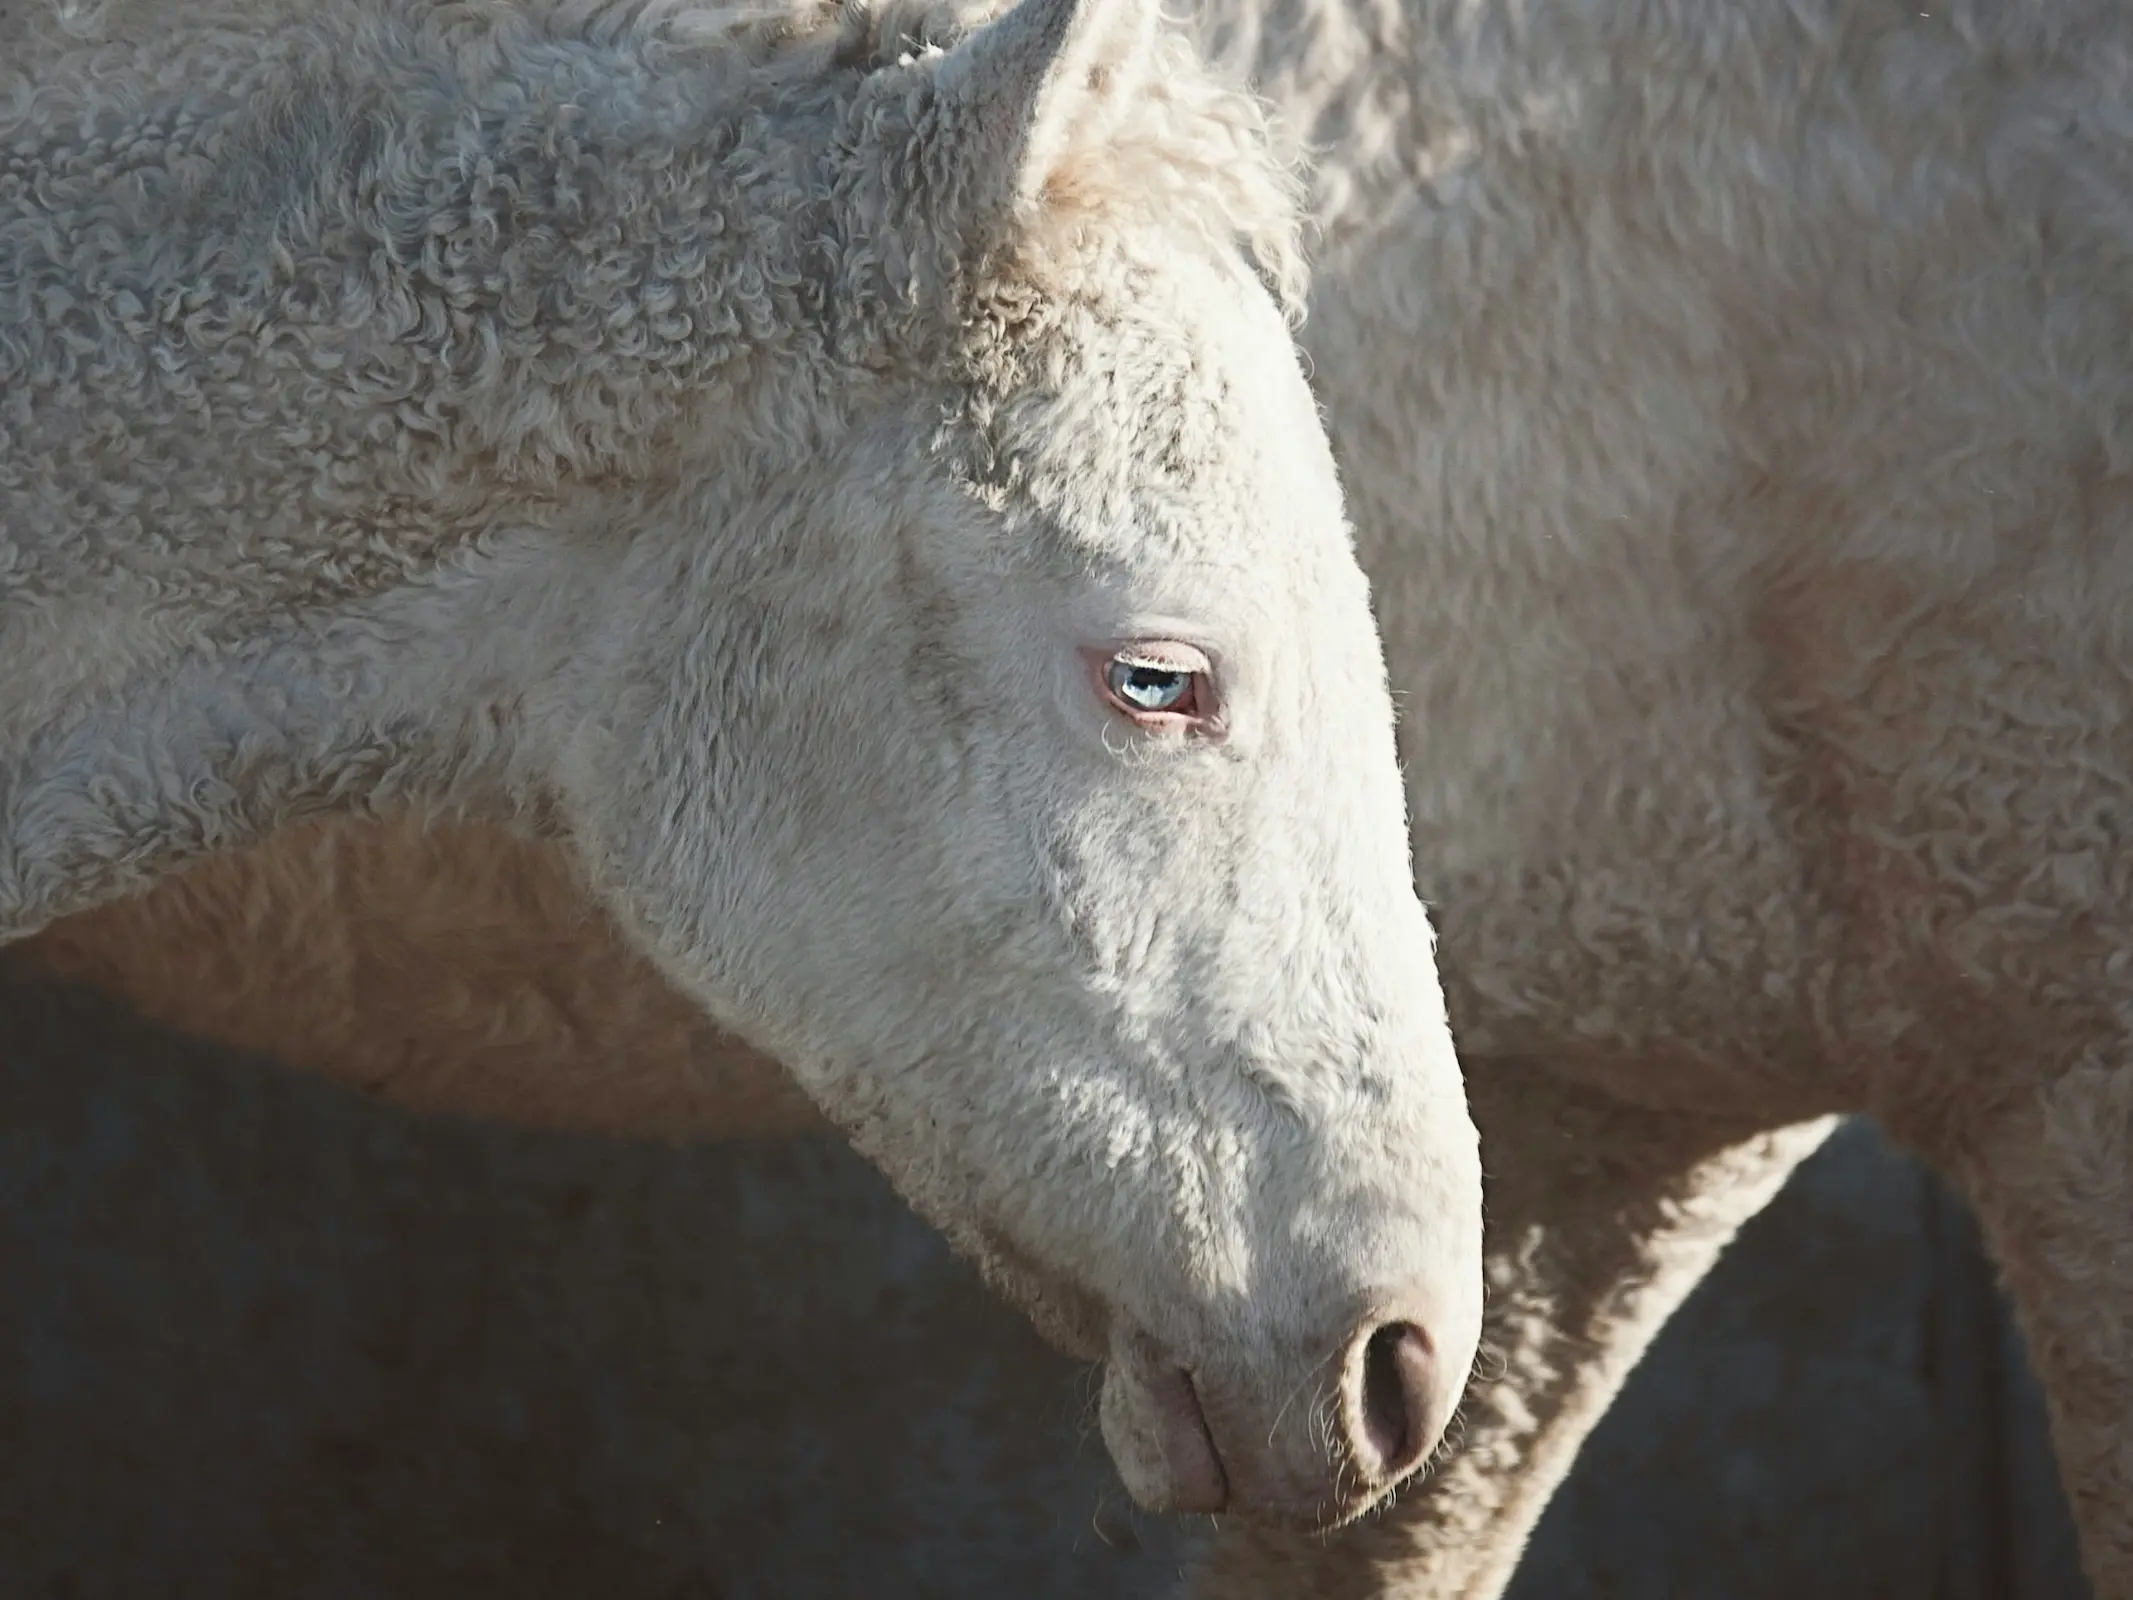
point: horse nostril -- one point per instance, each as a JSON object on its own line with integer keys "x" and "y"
{"x": 1395, "y": 1429}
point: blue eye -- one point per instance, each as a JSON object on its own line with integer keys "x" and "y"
{"x": 1150, "y": 686}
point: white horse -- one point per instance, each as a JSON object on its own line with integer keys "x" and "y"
{"x": 1734, "y": 401}
{"x": 863, "y": 499}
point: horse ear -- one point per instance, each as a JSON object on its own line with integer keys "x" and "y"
{"x": 1011, "y": 93}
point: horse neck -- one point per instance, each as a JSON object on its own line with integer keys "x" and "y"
{"x": 448, "y": 325}
{"x": 409, "y": 700}
{"x": 387, "y": 295}
{"x": 619, "y": 254}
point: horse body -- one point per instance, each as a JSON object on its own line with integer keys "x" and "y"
{"x": 1731, "y": 401}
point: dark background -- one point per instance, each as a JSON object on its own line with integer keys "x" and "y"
{"x": 262, "y": 1338}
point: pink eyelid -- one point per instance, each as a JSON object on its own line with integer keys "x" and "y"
{"x": 1172, "y": 656}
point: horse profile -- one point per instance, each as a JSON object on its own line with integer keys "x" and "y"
{"x": 856, "y": 494}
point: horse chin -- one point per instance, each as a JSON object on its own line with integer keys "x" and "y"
{"x": 1066, "y": 1317}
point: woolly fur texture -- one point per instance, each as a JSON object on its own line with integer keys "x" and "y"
{"x": 729, "y": 445}
{"x": 1736, "y": 403}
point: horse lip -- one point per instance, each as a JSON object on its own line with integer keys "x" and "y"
{"x": 1191, "y": 1417}
{"x": 1175, "y": 1421}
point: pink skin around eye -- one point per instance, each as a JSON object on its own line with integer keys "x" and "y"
{"x": 1171, "y": 656}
